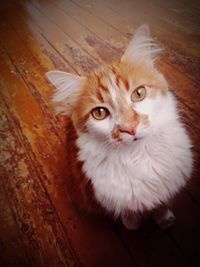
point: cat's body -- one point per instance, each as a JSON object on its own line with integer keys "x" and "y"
{"x": 135, "y": 153}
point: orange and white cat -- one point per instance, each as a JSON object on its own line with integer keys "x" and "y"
{"x": 131, "y": 147}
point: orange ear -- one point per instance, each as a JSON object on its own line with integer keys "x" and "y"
{"x": 142, "y": 49}
{"x": 68, "y": 88}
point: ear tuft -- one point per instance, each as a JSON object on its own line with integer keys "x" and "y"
{"x": 68, "y": 89}
{"x": 142, "y": 48}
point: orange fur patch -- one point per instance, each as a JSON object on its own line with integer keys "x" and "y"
{"x": 127, "y": 77}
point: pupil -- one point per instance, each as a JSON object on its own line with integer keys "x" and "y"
{"x": 138, "y": 92}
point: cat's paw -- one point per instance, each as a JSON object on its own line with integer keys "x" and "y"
{"x": 131, "y": 221}
{"x": 165, "y": 218}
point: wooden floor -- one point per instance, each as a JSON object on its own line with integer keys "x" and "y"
{"x": 38, "y": 223}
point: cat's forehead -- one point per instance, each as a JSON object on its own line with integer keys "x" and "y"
{"x": 112, "y": 84}
{"x": 117, "y": 81}
{"x": 108, "y": 86}
{"x": 116, "y": 75}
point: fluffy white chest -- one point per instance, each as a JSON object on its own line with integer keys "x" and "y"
{"x": 139, "y": 176}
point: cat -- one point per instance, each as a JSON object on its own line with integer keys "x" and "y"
{"x": 132, "y": 152}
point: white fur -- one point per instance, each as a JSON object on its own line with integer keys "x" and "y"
{"x": 142, "y": 174}
{"x": 67, "y": 90}
{"x": 142, "y": 49}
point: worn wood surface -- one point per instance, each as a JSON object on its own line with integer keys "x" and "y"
{"x": 39, "y": 225}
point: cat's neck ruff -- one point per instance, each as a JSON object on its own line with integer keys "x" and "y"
{"x": 141, "y": 175}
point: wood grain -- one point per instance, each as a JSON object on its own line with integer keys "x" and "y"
{"x": 39, "y": 223}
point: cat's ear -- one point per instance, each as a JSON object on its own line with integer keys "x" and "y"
{"x": 68, "y": 89}
{"x": 142, "y": 49}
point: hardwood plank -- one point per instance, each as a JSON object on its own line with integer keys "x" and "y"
{"x": 152, "y": 247}
{"x": 185, "y": 234}
{"x": 103, "y": 53}
{"x": 176, "y": 15}
{"x": 12, "y": 249}
{"x": 77, "y": 58}
{"x": 154, "y": 10}
{"x": 40, "y": 227}
{"x": 37, "y": 85}
{"x": 104, "y": 13}
{"x": 44, "y": 53}
{"x": 186, "y": 9}
{"x": 48, "y": 151}
{"x": 194, "y": 184}
{"x": 137, "y": 13}
{"x": 34, "y": 122}
{"x": 26, "y": 30}
{"x": 70, "y": 27}
{"x": 186, "y": 231}
{"x": 101, "y": 29}
{"x": 126, "y": 27}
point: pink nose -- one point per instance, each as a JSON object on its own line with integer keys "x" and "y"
{"x": 128, "y": 130}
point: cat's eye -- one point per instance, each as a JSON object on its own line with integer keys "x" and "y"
{"x": 138, "y": 94}
{"x": 100, "y": 113}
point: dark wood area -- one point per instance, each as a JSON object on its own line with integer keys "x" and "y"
{"x": 39, "y": 225}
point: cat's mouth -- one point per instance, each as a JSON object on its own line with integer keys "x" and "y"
{"x": 128, "y": 139}
{"x": 137, "y": 138}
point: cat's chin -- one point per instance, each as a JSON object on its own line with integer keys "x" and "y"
{"x": 128, "y": 140}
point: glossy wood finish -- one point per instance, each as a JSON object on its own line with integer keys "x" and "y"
{"x": 39, "y": 225}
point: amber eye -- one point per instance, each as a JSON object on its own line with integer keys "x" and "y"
{"x": 100, "y": 113}
{"x": 138, "y": 94}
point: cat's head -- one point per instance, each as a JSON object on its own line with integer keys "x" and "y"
{"x": 120, "y": 102}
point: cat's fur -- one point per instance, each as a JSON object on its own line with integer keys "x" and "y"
{"x": 129, "y": 171}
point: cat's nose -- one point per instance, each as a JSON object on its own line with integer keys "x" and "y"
{"x": 128, "y": 130}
